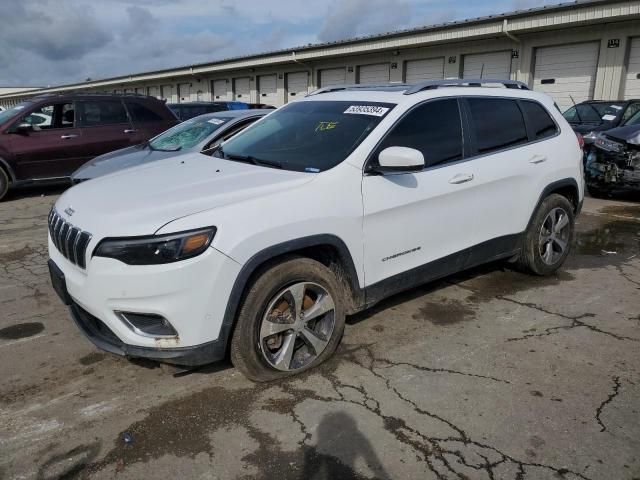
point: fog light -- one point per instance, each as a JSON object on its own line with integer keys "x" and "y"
{"x": 148, "y": 324}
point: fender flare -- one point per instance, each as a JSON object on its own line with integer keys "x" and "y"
{"x": 552, "y": 187}
{"x": 258, "y": 259}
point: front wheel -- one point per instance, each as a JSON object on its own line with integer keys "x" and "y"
{"x": 291, "y": 320}
{"x": 547, "y": 240}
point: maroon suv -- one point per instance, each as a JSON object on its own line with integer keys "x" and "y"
{"x": 48, "y": 137}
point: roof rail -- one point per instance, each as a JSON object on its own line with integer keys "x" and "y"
{"x": 463, "y": 82}
{"x": 361, "y": 86}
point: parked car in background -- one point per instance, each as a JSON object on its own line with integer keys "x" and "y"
{"x": 261, "y": 105}
{"x": 185, "y": 111}
{"x": 2, "y": 109}
{"x": 46, "y": 138}
{"x": 613, "y": 165}
{"x": 261, "y": 250}
{"x": 195, "y": 135}
{"x": 594, "y": 116}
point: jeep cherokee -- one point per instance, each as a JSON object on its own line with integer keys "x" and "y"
{"x": 317, "y": 211}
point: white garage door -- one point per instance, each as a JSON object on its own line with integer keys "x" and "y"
{"x": 219, "y": 88}
{"x": 297, "y": 85}
{"x": 166, "y": 92}
{"x": 632, "y": 81}
{"x": 242, "y": 89}
{"x": 377, "y": 73}
{"x": 567, "y": 71}
{"x": 154, "y": 92}
{"x": 487, "y": 65}
{"x": 427, "y": 69}
{"x": 333, "y": 76}
{"x": 267, "y": 89}
{"x": 184, "y": 92}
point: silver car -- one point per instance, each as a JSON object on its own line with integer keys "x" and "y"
{"x": 195, "y": 135}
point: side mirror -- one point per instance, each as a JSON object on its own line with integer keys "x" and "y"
{"x": 23, "y": 127}
{"x": 399, "y": 160}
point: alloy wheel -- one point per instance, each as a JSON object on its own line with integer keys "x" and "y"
{"x": 297, "y": 326}
{"x": 554, "y": 236}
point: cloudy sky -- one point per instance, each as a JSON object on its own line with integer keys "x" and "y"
{"x": 52, "y": 42}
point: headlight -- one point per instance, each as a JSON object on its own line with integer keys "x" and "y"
{"x": 156, "y": 249}
{"x": 591, "y": 136}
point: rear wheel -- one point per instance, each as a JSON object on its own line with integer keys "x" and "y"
{"x": 291, "y": 320}
{"x": 4, "y": 183}
{"x": 548, "y": 239}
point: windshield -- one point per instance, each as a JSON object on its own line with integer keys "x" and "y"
{"x": 307, "y": 136}
{"x": 187, "y": 134}
{"x": 634, "y": 120}
{"x": 7, "y": 114}
{"x": 593, "y": 113}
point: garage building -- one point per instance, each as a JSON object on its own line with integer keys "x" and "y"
{"x": 572, "y": 51}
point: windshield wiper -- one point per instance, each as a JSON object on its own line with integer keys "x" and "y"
{"x": 174, "y": 148}
{"x": 252, "y": 160}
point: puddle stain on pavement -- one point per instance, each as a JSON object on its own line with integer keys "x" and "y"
{"x": 21, "y": 330}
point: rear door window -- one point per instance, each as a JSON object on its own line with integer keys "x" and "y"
{"x": 496, "y": 124}
{"x": 103, "y": 112}
{"x": 539, "y": 120}
{"x": 434, "y": 128}
{"x": 141, "y": 114}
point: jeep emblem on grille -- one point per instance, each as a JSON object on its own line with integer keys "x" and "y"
{"x": 69, "y": 211}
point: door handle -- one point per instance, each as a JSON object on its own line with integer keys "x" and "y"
{"x": 130, "y": 130}
{"x": 68, "y": 136}
{"x": 461, "y": 178}
{"x": 538, "y": 159}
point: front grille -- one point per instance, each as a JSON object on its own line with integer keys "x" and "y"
{"x": 70, "y": 241}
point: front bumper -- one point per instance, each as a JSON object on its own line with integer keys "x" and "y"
{"x": 609, "y": 170}
{"x": 191, "y": 295}
{"x": 103, "y": 338}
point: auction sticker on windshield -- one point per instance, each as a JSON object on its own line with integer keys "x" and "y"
{"x": 367, "y": 110}
{"x": 216, "y": 121}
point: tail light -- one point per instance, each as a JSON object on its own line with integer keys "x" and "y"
{"x": 580, "y": 140}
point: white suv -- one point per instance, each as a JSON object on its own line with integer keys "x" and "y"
{"x": 319, "y": 210}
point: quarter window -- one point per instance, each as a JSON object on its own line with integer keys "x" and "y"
{"x": 497, "y": 124}
{"x": 541, "y": 124}
{"x": 104, "y": 112}
{"x": 434, "y": 128}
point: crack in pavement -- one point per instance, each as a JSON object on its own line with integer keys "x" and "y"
{"x": 614, "y": 394}
{"x": 438, "y": 454}
{"x": 576, "y": 322}
{"x": 627, "y": 277}
{"x": 441, "y": 370}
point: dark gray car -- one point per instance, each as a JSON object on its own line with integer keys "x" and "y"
{"x": 194, "y": 135}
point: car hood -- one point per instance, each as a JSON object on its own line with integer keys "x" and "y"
{"x": 140, "y": 200}
{"x": 119, "y": 160}
{"x": 584, "y": 128}
{"x": 629, "y": 134}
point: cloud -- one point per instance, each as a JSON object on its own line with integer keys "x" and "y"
{"x": 53, "y": 32}
{"x": 52, "y": 42}
{"x": 349, "y": 18}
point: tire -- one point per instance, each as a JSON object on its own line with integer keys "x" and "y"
{"x": 260, "y": 354}
{"x": 542, "y": 250}
{"x": 4, "y": 183}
